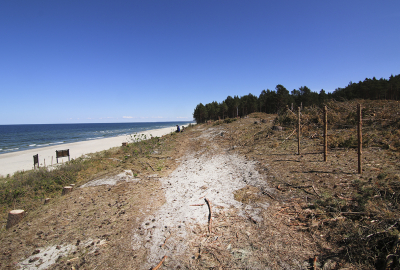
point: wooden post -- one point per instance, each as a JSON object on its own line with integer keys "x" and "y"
{"x": 298, "y": 131}
{"x": 325, "y": 133}
{"x": 359, "y": 116}
{"x": 14, "y": 216}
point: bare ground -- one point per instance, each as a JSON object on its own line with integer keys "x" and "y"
{"x": 261, "y": 195}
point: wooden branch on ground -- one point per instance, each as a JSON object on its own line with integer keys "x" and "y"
{"x": 281, "y": 210}
{"x": 151, "y": 167}
{"x": 166, "y": 240}
{"x": 210, "y": 216}
{"x": 352, "y": 213}
{"x": 316, "y": 191}
{"x": 289, "y": 136}
{"x": 145, "y": 165}
{"x": 159, "y": 265}
{"x": 264, "y": 192}
{"x": 388, "y": 229}
{"x": 293, "y": 186}
{"x": 300, "y": 187}
{"x": 199, "y": 204}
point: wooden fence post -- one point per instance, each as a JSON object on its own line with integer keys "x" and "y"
{"x": 359, "y": 116}
{"x": 298, "y": 130}
{"x": 325, "y": 133}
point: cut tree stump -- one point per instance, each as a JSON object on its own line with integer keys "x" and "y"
{"x": 47, "y": 200}
{"x": 67, "y": 190}
{"x": 14, "y": 216}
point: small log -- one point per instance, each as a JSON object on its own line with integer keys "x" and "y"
{"x": 124, "y": 144}
{"x": 14, "y": 216}
{"x": 47, "y": 200}
{"x": 66, "y": 190}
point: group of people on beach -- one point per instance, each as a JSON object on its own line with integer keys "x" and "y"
{"x": 178, "y": 128}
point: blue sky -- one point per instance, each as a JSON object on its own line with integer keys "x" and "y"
{"x": 155, "y": 60}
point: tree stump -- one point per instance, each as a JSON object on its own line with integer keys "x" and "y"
{"x": 14, "y": 216}
{"x": 47, "y": 200}
{"x": 66, "y": 190}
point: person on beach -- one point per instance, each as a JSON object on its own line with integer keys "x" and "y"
{"x": 183, "y": 129}
{"x": 178, "y": 129}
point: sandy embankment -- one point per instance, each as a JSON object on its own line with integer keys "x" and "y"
{"x": 23, "y": 160}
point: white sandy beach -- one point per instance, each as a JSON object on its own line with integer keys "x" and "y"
{"x": 23, "y": 160}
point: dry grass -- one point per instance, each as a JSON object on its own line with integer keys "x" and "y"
{"x": 316, "y": 208}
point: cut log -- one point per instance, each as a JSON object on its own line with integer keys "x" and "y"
{"x": 14, "y": 216}
{"x": 66, "y": 190}
{"x": 47, "y": 200}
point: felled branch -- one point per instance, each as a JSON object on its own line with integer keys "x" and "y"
{"x": 159, "y": 265}
{"x": 210, "y": 215}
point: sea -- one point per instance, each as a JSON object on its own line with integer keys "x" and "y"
{"x": 15, "y": 138}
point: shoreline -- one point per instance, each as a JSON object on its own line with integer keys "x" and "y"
{"x": 23, "y": 160}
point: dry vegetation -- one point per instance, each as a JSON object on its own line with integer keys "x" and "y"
{"x": 321, "y": 214}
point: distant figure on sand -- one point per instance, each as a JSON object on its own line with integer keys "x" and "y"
{"x": 178, "y": 129}
{"x": 183, "y": 129}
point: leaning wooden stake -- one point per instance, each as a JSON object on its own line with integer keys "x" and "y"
{"x": 210, "y": 216}
{"x": 298, "y": 130}
{"x": 160, "y": 263}
{"x": 14, "y": 216}
{"x": 359, "y": 116}
{"x": 325, "y": 133}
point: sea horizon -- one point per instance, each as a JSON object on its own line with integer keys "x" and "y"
{"x": 20, "y": 137}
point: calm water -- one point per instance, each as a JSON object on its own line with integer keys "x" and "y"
{"x": 23, "y": 137}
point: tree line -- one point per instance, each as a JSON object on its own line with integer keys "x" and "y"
{"x": 273, "y": 101}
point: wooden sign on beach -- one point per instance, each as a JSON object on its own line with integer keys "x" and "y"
{"x": 62, "y": 153}
{"x": 36, "y": 161}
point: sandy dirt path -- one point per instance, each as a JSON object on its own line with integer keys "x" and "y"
{"x": 200, "y": 176}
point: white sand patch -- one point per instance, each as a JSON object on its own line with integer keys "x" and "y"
{"x": 127, "y": 176}
{"x": 46, "y": 257}
{"x": 214, "y": 178}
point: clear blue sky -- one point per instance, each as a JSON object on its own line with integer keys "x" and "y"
{"x": 70, "y": 61}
